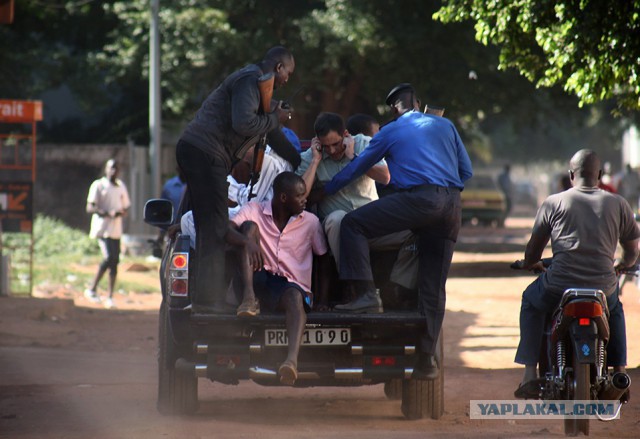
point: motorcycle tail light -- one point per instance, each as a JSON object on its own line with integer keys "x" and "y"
{"x": 584, "y": 322}
{"x": 583, "y": 309}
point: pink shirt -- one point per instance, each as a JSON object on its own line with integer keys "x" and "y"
{"x": 290, "y": 253}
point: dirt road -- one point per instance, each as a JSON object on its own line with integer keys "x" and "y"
{"x": 69, "y": 369}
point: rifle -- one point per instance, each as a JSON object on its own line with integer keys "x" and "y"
{"x": 431, "y": 109}
{"x": 286, "y": 104}
{"x": 265, "y": 86}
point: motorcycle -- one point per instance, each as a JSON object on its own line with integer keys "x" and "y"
{"x": 573, "y": 361}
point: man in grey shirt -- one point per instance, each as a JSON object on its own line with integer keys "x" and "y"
{"x": 585, "y": 225}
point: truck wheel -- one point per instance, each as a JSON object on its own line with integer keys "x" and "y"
{"x": 177, "y": 390}
{"x": 393, "y": 389}
{"x": 421, "y": 398}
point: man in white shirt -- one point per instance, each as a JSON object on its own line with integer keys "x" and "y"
{"x": 108, "y": 201}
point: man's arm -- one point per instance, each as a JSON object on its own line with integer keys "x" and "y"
{"x": 309, "y": 175}
{"x": 629, "y": 253}
{"x": 93, "y": 208}
{"x": 92, "y": 205}
{"x": 283, "y": 147}
{"x": 245, "y": 101}
{"x": 465, "y": 169}
{"x": 126, "y": 201}
{"x": 379, "y": 173}
{"x": 359, "y": 166}
{"x": 237, "y": 239}
{"x": 535, "y": 247}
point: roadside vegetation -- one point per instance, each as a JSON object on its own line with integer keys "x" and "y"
{"x": 66, "y": 258}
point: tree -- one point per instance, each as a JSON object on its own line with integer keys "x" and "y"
{"x": 349, "y": 53}
{"x": 590, "y": 47}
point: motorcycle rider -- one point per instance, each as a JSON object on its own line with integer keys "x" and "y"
{"x": 585, "y": 224}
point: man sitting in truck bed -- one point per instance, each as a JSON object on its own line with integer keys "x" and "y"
{"x": 288, "y": 237}
{"x": 332, "y": 150}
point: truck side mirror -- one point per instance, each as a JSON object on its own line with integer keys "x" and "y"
{"x": 158, "y": 212}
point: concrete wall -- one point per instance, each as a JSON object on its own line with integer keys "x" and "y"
{"x": 65, "y": 172}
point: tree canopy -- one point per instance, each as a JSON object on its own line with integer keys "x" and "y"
{"x": 349, "y": 54}
{"x": 589, "y": 47}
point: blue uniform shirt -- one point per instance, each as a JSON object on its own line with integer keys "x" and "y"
{"x": 419, "y": 149}
{"x": 172, "y": 191}
{"x": 293, "y": 138}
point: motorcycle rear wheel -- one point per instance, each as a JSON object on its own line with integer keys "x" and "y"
{"x": 579, "y": 390}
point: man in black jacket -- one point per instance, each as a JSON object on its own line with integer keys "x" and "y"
{"x": 228, "y": 123}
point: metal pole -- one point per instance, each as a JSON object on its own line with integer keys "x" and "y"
{"x": 155, "y": 146}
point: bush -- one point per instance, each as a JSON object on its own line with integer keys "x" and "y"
{"x": 53, "y": 238}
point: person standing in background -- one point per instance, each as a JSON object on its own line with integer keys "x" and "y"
{"x": 629, "y": 187}
{"x": 361, "y": 123}
{"x": 108, "y": 202}
{"x": 506, "y": 186}
{"x": 173, "y": 190}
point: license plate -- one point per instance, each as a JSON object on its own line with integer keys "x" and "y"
{"x": 311, "y": 337}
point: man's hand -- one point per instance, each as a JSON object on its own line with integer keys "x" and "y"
{"x": 254, "y": 254}
{"x": 284, "y": 114}
{"x": 173, "y": 230}
{"x": 619, "y": 265}
{"x": 537, "y": 268}
{"x": 316, "y": 149}
{"x": 349, "y": 145}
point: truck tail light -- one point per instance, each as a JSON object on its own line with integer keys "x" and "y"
{"x": 179, "y": 260}
{"x": 383, "y": 361}
{"x": 179, "y": 275}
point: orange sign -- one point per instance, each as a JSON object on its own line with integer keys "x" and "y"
{"x": 20, "y": 111}
{"x": 16, "y": 207}
{"x": 6, "y": 11}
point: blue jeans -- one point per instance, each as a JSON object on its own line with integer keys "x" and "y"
{"x": 537, "y": 303}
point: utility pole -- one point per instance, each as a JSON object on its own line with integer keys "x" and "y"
{"x": 155, "y": 145}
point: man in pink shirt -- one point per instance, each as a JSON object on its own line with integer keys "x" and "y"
{"x": 288, "y": 238}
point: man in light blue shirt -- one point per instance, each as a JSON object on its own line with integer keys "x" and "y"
{"x": 428, "y": 164}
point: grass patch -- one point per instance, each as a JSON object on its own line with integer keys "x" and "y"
{"x": 67, "y": 257}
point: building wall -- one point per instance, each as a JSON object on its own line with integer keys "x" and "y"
{"x": 65, "y": 172}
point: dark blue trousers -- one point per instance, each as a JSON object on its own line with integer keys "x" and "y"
{"x": 208, "y": 192}
{"x": 433, "y": 213}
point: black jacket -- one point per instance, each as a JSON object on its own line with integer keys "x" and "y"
{"x": 229, "y": 121}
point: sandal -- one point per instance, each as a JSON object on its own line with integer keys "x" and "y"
{"x": 248, "y": 308}
{"x": 530, "y": 390}
{"x": 288, "y": 373}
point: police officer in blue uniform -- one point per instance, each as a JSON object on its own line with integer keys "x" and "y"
{"x": 429, "y": 165}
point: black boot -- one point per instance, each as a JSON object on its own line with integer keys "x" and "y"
{"x": 368, "y": 300}
{"x": 426, "y": 368}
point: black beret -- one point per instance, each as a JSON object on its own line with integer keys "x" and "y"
{"x": 405, "y": 86}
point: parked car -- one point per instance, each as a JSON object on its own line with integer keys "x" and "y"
{"x": 525, "y": 194}
{"x": 483, "y": 202}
